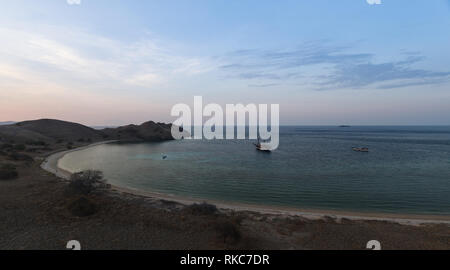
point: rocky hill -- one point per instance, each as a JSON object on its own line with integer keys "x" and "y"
{"x": 51, "y": 131}
{"x": 148, "y": 131}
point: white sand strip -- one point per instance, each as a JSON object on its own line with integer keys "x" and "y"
{"x": 50, "y": 164}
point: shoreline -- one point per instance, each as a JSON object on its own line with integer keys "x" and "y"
{"x": 50, "y": 164}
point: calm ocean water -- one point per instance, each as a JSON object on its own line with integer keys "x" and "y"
{"x": 406, "y": 171}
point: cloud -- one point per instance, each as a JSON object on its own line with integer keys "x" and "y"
{"x": 263, "y": 85}
{"x": 385, "y": 75}
{"x": 374, "y": 2}
{"x": 329, "y": 67}
{"x": 74, "y": 2}
{"x": 85, "y": 59}
{"x": 68, "y": 73}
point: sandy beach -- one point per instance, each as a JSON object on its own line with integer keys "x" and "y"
{"x": 51, "y": 165}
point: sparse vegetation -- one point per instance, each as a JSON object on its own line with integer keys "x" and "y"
{"x": 82, "y": 207}
{"x": 69, "y": 145}
{"x": 20, "y": 157}
{"x": 228, "y": 229}
{"x": 19, "y": 147}
{"x": 87, "y": 182}
{"x": 8, "y": 172}
{"x": 36, "y": 143}
{"x": 6, "y": 146}
{"x": 203, "y": 209}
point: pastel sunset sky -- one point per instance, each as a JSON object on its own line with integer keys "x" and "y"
{"x": 111, "y": 62}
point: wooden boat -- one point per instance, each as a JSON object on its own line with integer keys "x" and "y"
{"x": 361, "y": 149}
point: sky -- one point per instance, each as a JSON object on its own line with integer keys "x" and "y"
{"x": 115, "y": 62}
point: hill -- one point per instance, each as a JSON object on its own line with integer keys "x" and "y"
{"x": 6, "y": 123}
{"x": 51, "y": 131}
{"x": 148, "y": 131}
{"x": 61, "y": 130}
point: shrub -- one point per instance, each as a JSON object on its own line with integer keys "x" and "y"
{"x": 228, "y": 230}
{"x": 87, "y": 182}
{"x": 8, "y": 172}
{"x": 203, "y": 209}
{"x": 20, "y": 157}
{"x": 36, "y": 143}
{"x": 19, "y": 147}
{"x": 6, "y": 146}
{"x": 82, "y": 207}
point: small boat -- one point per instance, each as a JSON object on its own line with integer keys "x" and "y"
{"x": 361, "y": 149}
{"x": 264, "y": 147}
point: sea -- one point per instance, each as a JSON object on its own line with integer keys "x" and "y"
{"x": 406, "y": 171}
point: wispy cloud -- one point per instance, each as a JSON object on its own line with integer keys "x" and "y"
{"x": 384, "y": 75}
{"x": 327, "y": 67}
{"x": 74, "y": 2}
{"x": 82, "y": 57}
{"x": 373, "y": 2}
{"x": 263, "y": 85}
{"x": 70, "y": 73}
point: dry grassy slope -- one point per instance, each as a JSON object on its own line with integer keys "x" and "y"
{"x": 56, "y": 129}
{"x": 13, "y": 133}
{"x": 47, "y": 130}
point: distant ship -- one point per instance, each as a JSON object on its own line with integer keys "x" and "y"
{"x": 361, "y": 149}
{"x": 344, "y": 126}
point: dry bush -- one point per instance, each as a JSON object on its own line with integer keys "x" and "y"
{"x": 36, "y": 143}
{"x": 82, "y": 207}
{"x": 203, "y": 209}
{"x": 87, "y": 182}
{"x": 8, "y": 172}
{"x": 20, "y": 157}
{"x": 6, "y": 146}
{"x": 20, "y": 147}
{"x": 228, "y": 229}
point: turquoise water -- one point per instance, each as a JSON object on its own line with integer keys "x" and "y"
{"x": 406, "y": 171}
